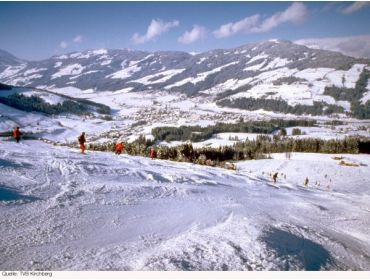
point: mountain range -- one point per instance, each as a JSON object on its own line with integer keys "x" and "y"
{"x": 275, "y": 75}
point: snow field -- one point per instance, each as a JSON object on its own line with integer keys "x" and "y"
{"x": 295, "y": 93}
{"x": 200, "y": 76}
{"x": 125, "y": 73}
{"x": 67, "y": 211}
{"x": 11, "y": 71}
{"x": 160, "y": 77}
{"x": 60, "y": 129}
{"x": 68, "y": 70}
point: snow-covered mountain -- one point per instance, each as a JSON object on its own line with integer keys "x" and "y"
{"x": 275, "y": 70}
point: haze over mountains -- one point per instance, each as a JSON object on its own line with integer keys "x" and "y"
{"x": 274, "y": 70}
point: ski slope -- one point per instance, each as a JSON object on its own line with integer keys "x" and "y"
{"x": 65, "y": 211}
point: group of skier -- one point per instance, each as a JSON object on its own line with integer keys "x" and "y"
{"x": 119, "y": 147}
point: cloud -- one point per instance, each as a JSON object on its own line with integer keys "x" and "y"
{"x": 330, "y": 6}
{"x": 244, "y": 25}
{"x": 354, "y": 7}
{"x": 356, "y": 46}
{"x": 155, "y": 29}
{"x": 75, "y": 41}
{"x": 197, "y": 33}
{"x": 295, "y": 13}
{"x": 78, "y": 39}
{"x": 63, "y": 45}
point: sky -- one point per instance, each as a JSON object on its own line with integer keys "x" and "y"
{"x": 39, "y": 30}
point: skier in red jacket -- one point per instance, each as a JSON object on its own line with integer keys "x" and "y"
{"x": 119, "y": 148}
{"x": 153, "y": 153}
{"x": 82, "y": 141}
{"x": 17, "y": 134}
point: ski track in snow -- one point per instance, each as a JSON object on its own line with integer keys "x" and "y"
{"x": 67, "y": 211}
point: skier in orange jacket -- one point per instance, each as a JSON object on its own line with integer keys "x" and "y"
{"x": 17, "y": 134}
{"x": 119, "y": 148}
{"x": 82, "y": 141}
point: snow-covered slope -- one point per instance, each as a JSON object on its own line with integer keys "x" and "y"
{"x": 49, "y": 115}
{"x": 47, "y": 100}
{"x": 65, "y": 211}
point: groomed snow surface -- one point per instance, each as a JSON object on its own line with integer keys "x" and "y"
{"x": 65, "y": 211}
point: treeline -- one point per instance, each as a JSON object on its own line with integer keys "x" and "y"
{"x": 276, "y": 144}
{"x": 287, "y": 80}
{"x": 35, "y": 103}
{"x": 361, "y": 111}
{"x": 279, "y": 105}
{"x": 100, "y": 108}
{"x": 181, "y": 153}
{"x": 78, "y": 106}
{"x": 350, "y": 94}
{"x": 353, "y": 95}
{"x": 198, "y": 133}
{"x": 259, "y": 148}
{"x": 5, "y": 87}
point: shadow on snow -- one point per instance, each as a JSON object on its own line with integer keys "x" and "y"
{"x": 296, "y": 252}
{"x": 11, "y": 164}
{"x": 7, "y": 194}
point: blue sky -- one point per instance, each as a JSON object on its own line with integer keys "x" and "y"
{"x": 38, "y": 30}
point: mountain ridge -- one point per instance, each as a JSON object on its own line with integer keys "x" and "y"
{"x": 273, "y": 70}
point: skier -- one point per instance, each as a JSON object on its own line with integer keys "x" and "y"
{"x": 17, "y": 134}
{"x": 274, "y": 177}
{"x": 82, "y": 140}
{"x": 119, "y": 148}
{"x": 306, "y": 181}
{"x": 153, "y": 153}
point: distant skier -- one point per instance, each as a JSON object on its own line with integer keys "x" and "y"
{"x": 120, "y": 147}
{"x": 306, "y": 181}
{"x": 17, "y": 134}
{"x": 82, "y": 141}
{"x": 274, "y": 177}
{"x": 153, "y": 153}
